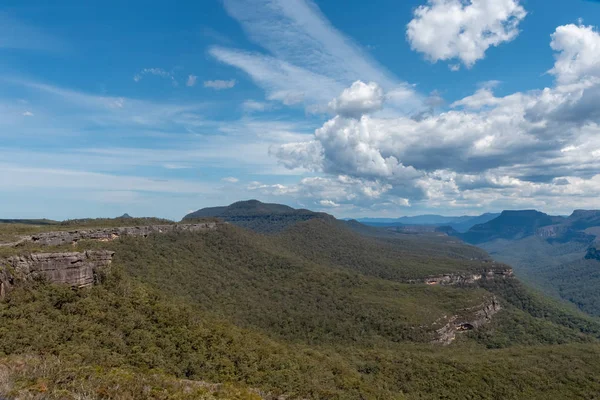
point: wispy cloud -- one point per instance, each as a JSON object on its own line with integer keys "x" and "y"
{"x": 156, "y": 72}
{"x": 18, "y": 34}
{"x": 220, "y": 84}
{"x": 250, "y": 106}
{"x": 191, "y": 81}
{"x": 309, "y": 61}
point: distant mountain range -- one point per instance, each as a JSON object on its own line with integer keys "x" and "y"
{"x": 555, "y": 253}
{"x": 460, "y": 224}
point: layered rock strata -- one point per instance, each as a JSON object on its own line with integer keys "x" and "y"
{"x": 73, "y": 269}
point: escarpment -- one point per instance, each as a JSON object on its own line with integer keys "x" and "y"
{"x": 74, "y": 269}
{"x": 58, "y": 238}
{"x": 467, "y": 320}
{"x": 467, "y": 278}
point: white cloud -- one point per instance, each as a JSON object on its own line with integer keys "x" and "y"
{"x": 309, "y": 61}
{"x": 156, "y": 72}
{"x": 251, "y": 106}
{"x": 482, "y": 98}
{"x": 328, "y": 203}
{"x": 463, "y": 29}
{"x": 17, "y": 177}
{"x": 220, "y": 84}
{"x": 332, "y": 191}
{"x": 359, "y": 99}
{"x": 578, "y": 57}
{"x": 191, "y": 81}
{"x": 175, "y": 166}
{"x": 230, "y": 179}
{"x": 486, "y": 151}
{"x": 28, "y": 114}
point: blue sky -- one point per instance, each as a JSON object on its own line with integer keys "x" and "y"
{"x": 379, "y": 108}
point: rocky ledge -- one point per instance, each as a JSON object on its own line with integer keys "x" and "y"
{"x": 57, "y": 238}
{"x": 456, "y": 279}
{"x": 73, "y": 269}
{"x": 467, "y": 320}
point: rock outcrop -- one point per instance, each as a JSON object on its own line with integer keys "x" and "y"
{"x": 73, "y": 269}
{"x": 57, "y": 238}
{"x": 467, "y": 320}
{"x": 456, "y": 279}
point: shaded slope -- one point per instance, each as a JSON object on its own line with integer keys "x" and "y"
{"x": 552, "y": 253}
{"x": 389, "y": 256}
{"x": 510, "y": 225}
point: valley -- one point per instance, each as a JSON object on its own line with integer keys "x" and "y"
{"x": 318, "y": 308}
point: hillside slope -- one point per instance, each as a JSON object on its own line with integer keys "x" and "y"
{"x": 317, "y": 311}
{"x": 551, "y": 253}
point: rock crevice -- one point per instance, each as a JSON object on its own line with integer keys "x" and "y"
{"x": 467, "y": 320}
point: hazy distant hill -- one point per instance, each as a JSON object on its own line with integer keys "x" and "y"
{"x": 460, "y": 224}
{"x": 510, "y": 225}
{"x": 258, "y": 216}
{"x": 557, "y": 254}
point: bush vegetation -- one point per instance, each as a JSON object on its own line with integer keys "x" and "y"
{"x": 235, "y": 314}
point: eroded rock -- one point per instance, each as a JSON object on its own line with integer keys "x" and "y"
{"x": 455, "y": 279}
{"x": 58, "y": 238}
{"x": 467, "y": 320}
{"x": 73, "y": 269}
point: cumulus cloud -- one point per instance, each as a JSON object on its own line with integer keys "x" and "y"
{"x": 359, "y": 99}
{"x": 463, "y": 29}
{"x": 339, "y": 190}
{"x": 578, "y": 57}
{"x": 485, "y": 151}
{"x": 28, "y": 114}
{"x": 220, "y": 84}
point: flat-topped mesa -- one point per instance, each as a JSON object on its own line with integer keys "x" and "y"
{"x": 467, "y": 278}
{"x": 73, "y": 269}
{"x": 57, "y": 238}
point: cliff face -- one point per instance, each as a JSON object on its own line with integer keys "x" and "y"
{"x": 468, "y": 278}
{"x": 467, "y": 320}
{"x": 107, "y": 234}
{"x": 73, "y": 269}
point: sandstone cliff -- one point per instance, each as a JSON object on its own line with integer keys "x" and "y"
{"x": 73, "y": 269}
{"x": 467, "y": 278}
{"x": 57, "y": 238}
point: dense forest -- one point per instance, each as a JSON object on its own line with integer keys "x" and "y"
{"x": 317, "y": 311}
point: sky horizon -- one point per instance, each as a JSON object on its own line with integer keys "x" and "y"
{"x": 443, "y": 107}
